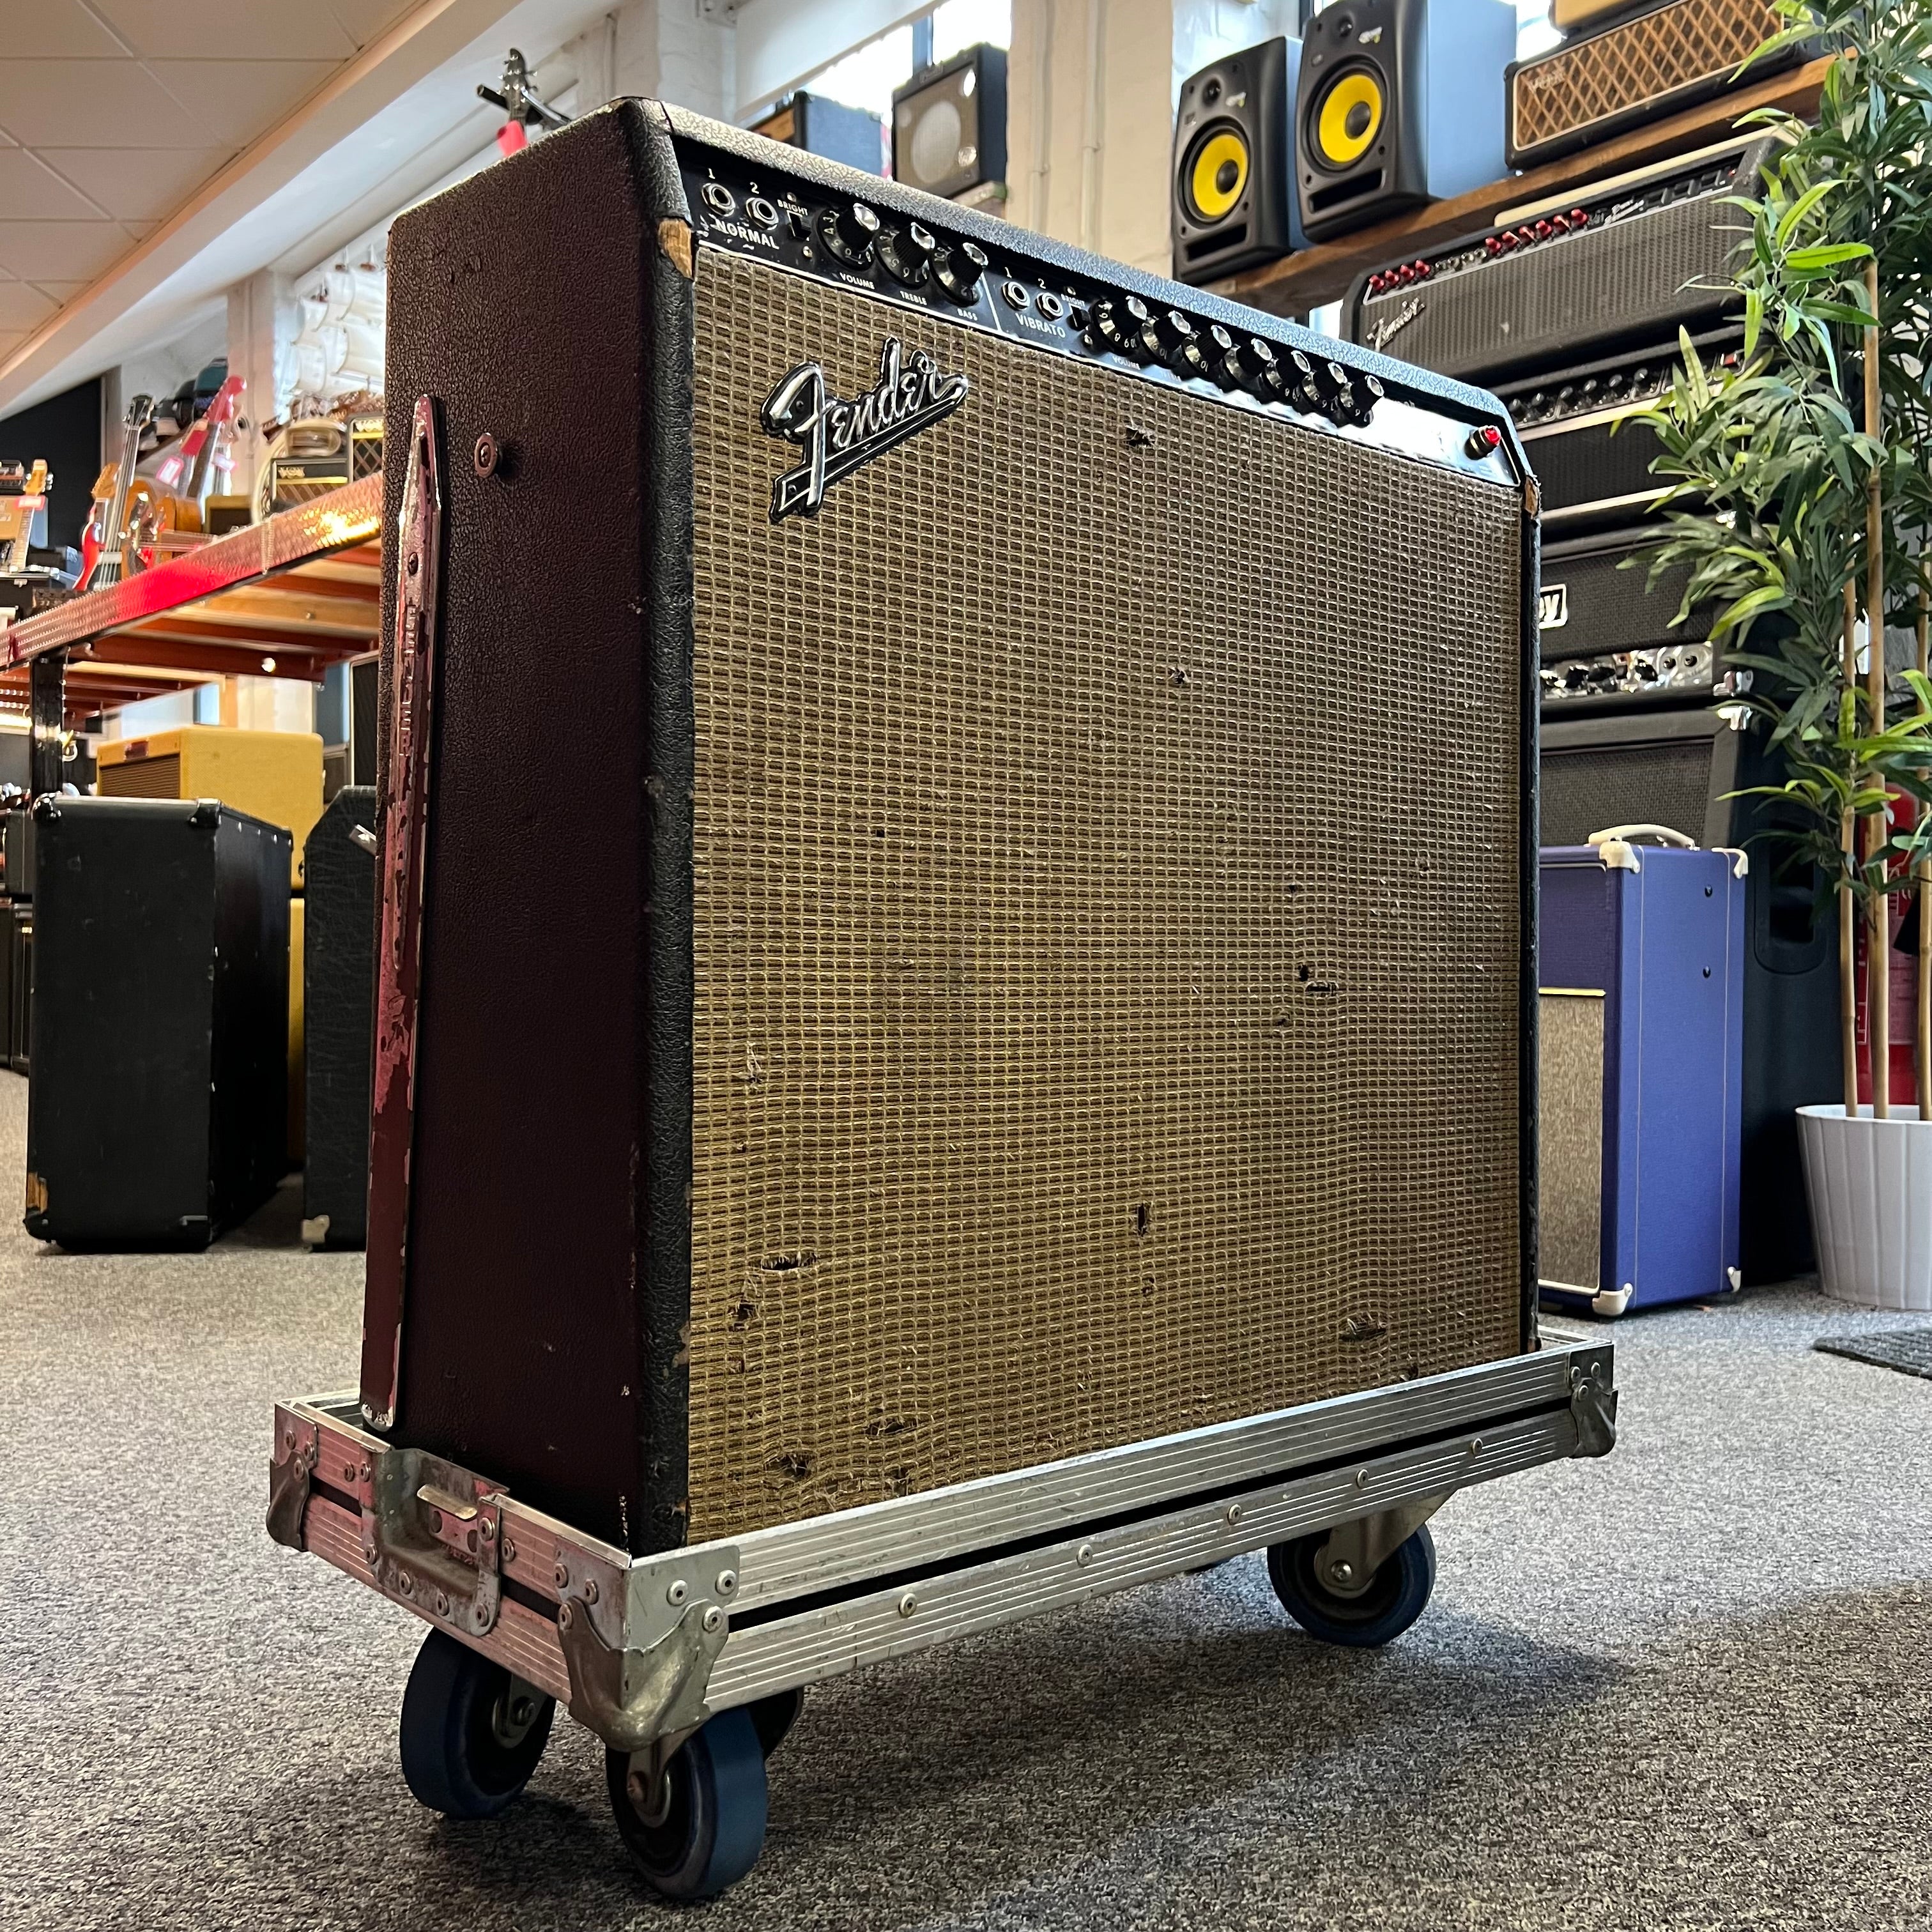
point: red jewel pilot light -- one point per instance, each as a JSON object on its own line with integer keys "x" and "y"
{"x": 1483, "y": 441}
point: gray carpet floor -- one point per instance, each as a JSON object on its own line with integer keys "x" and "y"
{"x": 1683, "y": 1688}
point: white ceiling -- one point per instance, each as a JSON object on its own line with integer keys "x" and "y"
{"x": 112, "y": 112}
{"x": 153, "y": 153}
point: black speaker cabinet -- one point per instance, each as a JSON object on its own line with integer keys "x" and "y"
{"x": 18, "y": 850}
{"x": 850, "y": 136}
{"x": 950, "y": 123}
{"x": 1233, "y": 199}
{"x": 339, "y": 1004}
{"x": 986, "y": 999}
{"x": 20, "y": 986}
{"x": 1675, "y": 768}
{"x": 158, "y": 1110}
{"x": 1399, "y": 102}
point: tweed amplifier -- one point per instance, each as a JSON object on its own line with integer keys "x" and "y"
{"x": 1627, "y": 260}
{"x": 1591, "y": 457}
{"x": 1596, "y": 84}
{"x": 987, "y": 1002}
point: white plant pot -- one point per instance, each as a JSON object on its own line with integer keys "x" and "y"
{"x": 1871, "y": 1187}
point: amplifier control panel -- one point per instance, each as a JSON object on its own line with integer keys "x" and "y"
{"x": 777, "y": 217}
{"x": 1614, "y": 677}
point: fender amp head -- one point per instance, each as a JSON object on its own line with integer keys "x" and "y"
{"x": 1597, "y": 84}
{"x": 988, "y": 1000}
{"x": 1628, "y": 259}
{"x": 1591, "y": 455}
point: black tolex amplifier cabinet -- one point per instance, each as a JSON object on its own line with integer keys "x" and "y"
{"x": 338, "y": 1018}
{"x": 158, "y": 1115}
{"x": 1627, "y": 260}
{"x": 988, "y": 1000}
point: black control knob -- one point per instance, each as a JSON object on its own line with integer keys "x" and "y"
{"x": 1119, "y": 325}
{"x": 848, "y": 232}
{"x": 906, "y": 253}
{"x": 957, "y": 268}
{"x": 1251, "y": 365}
{"x": 1172, "y": 338}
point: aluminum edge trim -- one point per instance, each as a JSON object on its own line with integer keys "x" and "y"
{"x": 825, "y": 1552}
{"x": 833, "y": 1639}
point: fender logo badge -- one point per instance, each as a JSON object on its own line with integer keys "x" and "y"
{"x": 838, "y": 436}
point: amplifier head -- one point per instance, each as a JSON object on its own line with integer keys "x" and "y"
{"x": 1633, "y": 71}
{"x": 1628, "y": 259}
{"x": 1591, "y": 456}
{"x": 986, "y": 999}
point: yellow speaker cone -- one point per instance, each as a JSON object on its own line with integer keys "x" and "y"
{"x": 1351, "y": 118}
{"x": 1219, "y": 174}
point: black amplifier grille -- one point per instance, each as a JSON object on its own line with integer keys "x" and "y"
{"x": 1608, "y": 606}
{"x": 1588, "y": 789}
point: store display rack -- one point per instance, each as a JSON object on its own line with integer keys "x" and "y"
{"x": 1299, "y": 283}
{"x": 286, "y": 598}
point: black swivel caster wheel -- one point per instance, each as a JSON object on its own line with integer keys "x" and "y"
{"x": 702, "y": 1827}
{"x": 472, "y": 1733}
{"x": 1396, "y": 1595}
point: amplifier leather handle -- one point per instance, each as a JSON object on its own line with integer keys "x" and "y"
{"x": 1664, "y": 835}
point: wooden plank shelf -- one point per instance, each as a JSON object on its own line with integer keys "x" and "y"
{"x": 1298, "y": 283}
{"x": 285, "y": 598}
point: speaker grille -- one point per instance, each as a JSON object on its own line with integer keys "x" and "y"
{"x": 1667, "y": 783}
{"x": 1105, "y": 946}
{"x": 1642, "y": 276}
{"x": 142, "y": 778}
{"x": 1694, "y": 43}
{"x": 1613, "y": 607}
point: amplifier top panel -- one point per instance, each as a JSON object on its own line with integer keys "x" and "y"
{"x": 753, "y": 198}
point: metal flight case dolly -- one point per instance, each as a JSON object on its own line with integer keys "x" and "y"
{"x": 691, "y": 1665}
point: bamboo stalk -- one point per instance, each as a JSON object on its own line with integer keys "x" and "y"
{"x": 1922, "y": 1042}
{"x": 1878, "y": 995}
{"x": 1848, "y": 997}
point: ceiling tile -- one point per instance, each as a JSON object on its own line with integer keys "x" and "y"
{"x": 63, "y": 251}
{"x": 30, "y": 192}
{"x": 45, "y": 103}
{"x": 57, "y": 28}
{"x": 23, "y": 308}
{"x": 366, "y": 20}
{"x": 220, "y": 30}
{"x": 237, "y": 99}
{"x": 132, "y": 185}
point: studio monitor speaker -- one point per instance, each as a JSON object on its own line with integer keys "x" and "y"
{"x": 1234, "y": 202}
{"x": 949, "y": 124}
{"x": 989, "y": 998}
{"x": 1400, "y": 101}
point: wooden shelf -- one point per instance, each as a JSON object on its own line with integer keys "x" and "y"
{"x": 286, "y": 598}
{"x": 1297, "y": 284}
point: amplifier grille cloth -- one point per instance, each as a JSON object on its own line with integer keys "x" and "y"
{"x": 1668, "y": 783}
{"x": 142, "y": 778}
{"x": 1655, "y": 54}
{"x": 1106, "y": 933}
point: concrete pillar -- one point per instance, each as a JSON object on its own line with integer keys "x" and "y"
{"x": 263, "y": 320}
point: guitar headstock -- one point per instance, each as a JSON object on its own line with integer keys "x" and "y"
{"x": 225, "y": 402}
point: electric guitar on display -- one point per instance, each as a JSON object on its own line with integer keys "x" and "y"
{"x": 196, "y": 460}
{"x": 23, "y": 496}
{"x": 105, "y": 551}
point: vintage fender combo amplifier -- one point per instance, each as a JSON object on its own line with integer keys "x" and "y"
{"x": 1040, "y": 960}
{"x": 1591, "y": 456}
{"x": 1627, "y": 260}
{"x": 1596, "y": 84}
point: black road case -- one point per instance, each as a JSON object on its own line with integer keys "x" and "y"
{"x": 157, "y": 1112}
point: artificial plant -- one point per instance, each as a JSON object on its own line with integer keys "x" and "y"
{"x": 1799, "y": 498}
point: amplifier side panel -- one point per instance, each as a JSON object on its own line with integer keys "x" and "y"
{"x": 1108, "y": 997}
